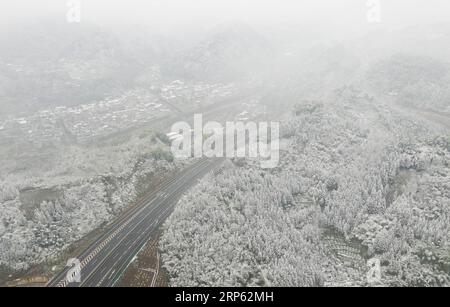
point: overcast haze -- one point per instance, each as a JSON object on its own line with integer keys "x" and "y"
{"x": 348, "y": 15}
{"x": 136, "y": 140}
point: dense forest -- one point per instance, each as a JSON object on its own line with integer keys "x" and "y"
{"x": 358, "y": 181}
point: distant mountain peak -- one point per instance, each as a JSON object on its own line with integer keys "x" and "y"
{"x": 229, "y": 50}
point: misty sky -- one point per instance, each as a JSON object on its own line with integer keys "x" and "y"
{"x": 347, "y": 15}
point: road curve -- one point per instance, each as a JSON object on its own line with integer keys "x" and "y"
{"x": 103, "y": 263}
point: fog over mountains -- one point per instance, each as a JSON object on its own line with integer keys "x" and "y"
{"x": 55, "y": 64}
{"x": 47, "y": 64}
{"x": 88, "y": 170}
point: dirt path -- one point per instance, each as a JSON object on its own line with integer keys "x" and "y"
{"x": 442, "y": 120}
{"x": 433, "y": 116}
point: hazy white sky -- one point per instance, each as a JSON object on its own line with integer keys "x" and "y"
{"x": 349, "y": 14}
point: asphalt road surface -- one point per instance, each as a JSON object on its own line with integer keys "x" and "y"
{"x": 103, "y": 263}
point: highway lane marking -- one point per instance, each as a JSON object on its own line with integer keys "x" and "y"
{"x": 176, "y": 192}
{"x": 140, "y": 246}
{"x": 145, "y": 234}
{"x": 140, "y": 204}
{"x": 64, "y": 283}
{"x": 204, "y": 163}
{"x": 133, "y": 216}
{"x": 138, "y": 224}
{"x": 170, "y": 207}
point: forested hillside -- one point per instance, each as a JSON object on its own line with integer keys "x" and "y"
{"x": 357, "y": 181}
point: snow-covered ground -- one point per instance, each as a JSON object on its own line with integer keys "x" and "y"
{"x": 358, "y": 181}
{"x": 45, "y": 208}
